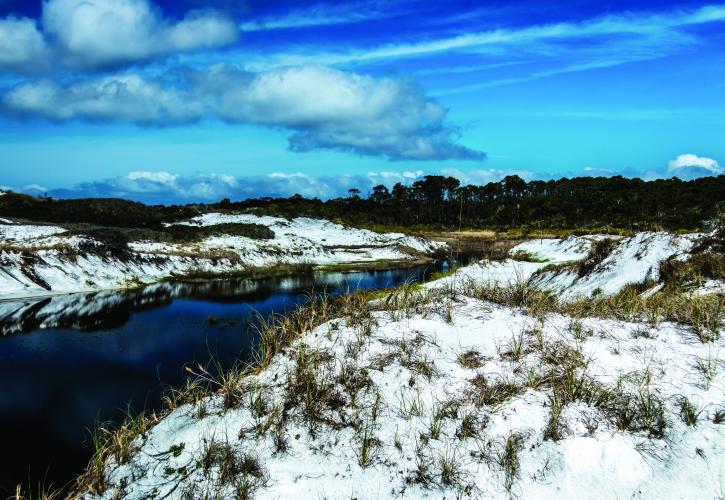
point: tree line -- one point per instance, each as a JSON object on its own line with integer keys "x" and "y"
{"x": 435, "y": 202}
{"x": 441, "y": 202}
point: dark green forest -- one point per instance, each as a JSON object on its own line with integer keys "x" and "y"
{"x": 436, "y": 203}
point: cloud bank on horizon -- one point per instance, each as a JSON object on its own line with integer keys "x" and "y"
{"x": 690, "y": 166}
{"x": 522, "y": 86}
{"x": 166, "y": 188}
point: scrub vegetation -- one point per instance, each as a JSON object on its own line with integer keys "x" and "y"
{"x": 459, "y": 386}
{"x": 613, "y": 205}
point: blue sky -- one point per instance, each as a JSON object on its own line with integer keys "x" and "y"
{"x": 193, "y": 101}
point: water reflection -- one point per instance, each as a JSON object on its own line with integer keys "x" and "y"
{"x": 67, "y": 362}
{"x": 112, "y": 309}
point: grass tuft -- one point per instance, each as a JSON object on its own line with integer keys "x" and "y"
{"x": 688, "y": 411}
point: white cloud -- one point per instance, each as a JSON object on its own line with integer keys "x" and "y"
{"x": 484, "y": 176}
{"x": 22, "y": 47}
{"x": 599, "y": 172}
{"x": 157, "y": 187}
{"x": 390, "y": 178}
{"x": 322, "y": 14}
{"x": 148, "y": 182}
{"x": 162, "y": 187}
{"x": 101, "y": 33}
{"x": 333, "y": 109}
{"x": 35, "y": 189}
{"x": 106, "y": 33}
{"x": 609, "y": 40}
{"x": 690, "y": 166}
{"x": 210, "y": 187}
{"x": 323, "y": 108}
{"x": 166, "y": 187}
{"x": 126, "y": 97}
{"x": 283, "y": 184}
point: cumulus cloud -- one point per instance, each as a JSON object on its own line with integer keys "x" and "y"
{"x": 332, "y": 109}
{"x": 690, "y": 166}
{"x": 22, "y": 47}
{"x": 107, "y": 33}
{"x": 35, "y": 189}
{"x": 100, "y": 33}
{"x": 324, "y": 108}
{"x": 148, "y": 182}
{"x": 113, "y": 98}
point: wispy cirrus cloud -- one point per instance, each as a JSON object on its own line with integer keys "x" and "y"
{"x": 324, "y": 14}
{"x": 596, "y": 61}
{"x": 324, "y": 108}
{"x": 616, "y": 38}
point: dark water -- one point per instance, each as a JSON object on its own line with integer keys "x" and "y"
{"x": 69, "y": 362}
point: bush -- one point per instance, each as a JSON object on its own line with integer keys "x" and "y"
{"x": 115, "y": 239}
{"x": 703, "y": 265}
{"x": 714, "y": 242}
{"x": 597, "y": 254}
{"x": 184, "y": 233}
{"x": 111, "y": 240}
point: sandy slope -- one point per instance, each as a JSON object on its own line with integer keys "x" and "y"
{"x": 454, "y": 398}
{"x": 38, "y": 260}
{"x": 634, "y": 260}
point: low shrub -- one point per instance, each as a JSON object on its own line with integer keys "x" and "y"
{"x": 600, "y": 251}
{"x": 112, "y": 240}
{"x": 183, "y": 233}
{"x": 699, "y": 266}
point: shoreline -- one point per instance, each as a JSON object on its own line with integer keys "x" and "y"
{"x": 277, "y": 271}
{"x": 42, "y": 262}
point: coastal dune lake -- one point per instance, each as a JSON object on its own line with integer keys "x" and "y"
{"x": 69, "y": 362}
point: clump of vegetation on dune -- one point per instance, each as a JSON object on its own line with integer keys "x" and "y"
{"x": 705, "y": 261}
{"x": 118, "y": 237}
{"x": 600, "y": 251}
{"x": 523, "y": 256}
{"x": 184, "y": 233}
{"x": 705, "y": 314}
{"x": 698, "y": 267}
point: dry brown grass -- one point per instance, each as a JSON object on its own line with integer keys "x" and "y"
{"x": 704, "y": 314}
